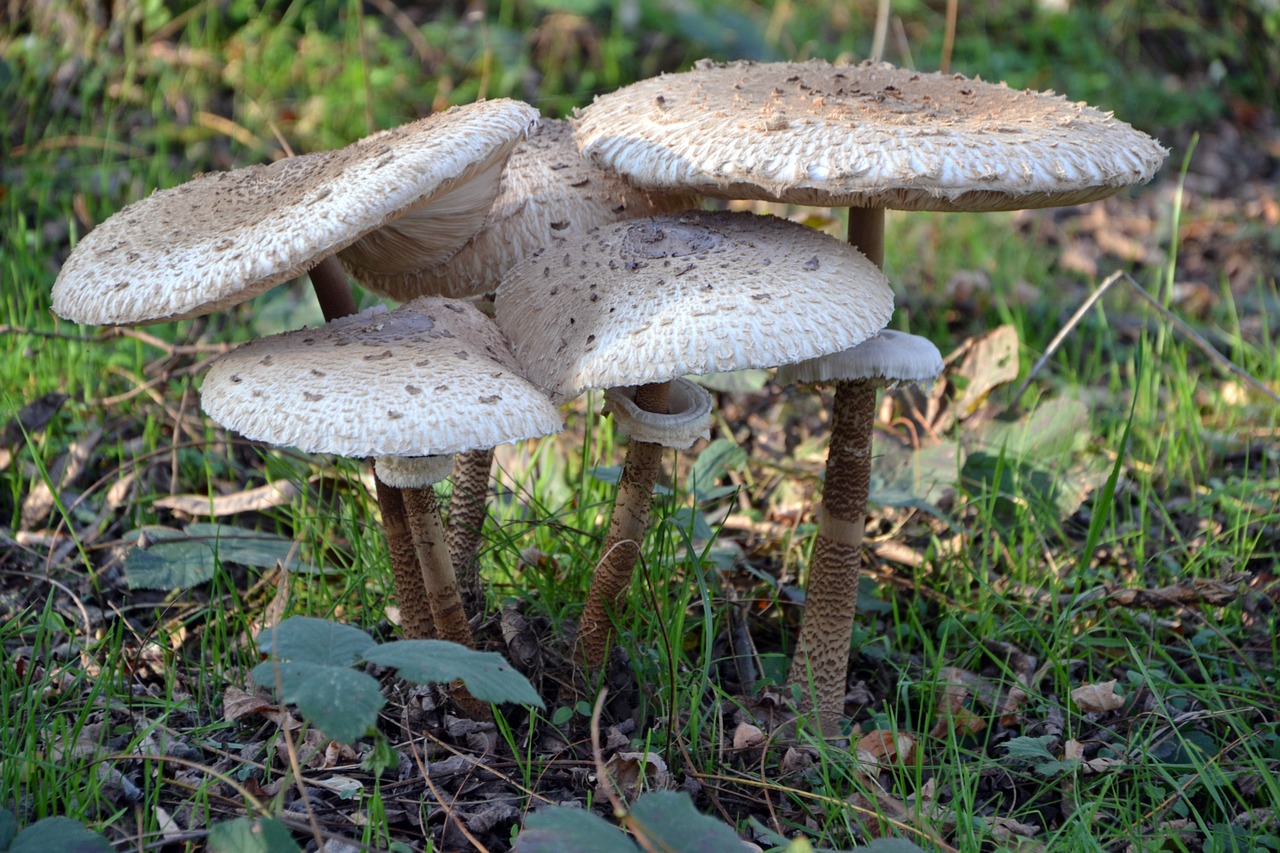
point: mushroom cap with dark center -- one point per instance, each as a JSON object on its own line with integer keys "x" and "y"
{"x": 547, "y": 191}
{"x": 223, "y": 238}
{"x": 869, "y": 135}
{"x": 652, "y": 299}
{"x": 888, "y": 358}
{"x": 431, "y": 378}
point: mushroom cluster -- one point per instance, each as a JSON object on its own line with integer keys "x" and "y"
{"x": 604, "y": 279}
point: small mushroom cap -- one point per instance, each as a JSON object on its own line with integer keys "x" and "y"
{"x": 547, "y": 190}
{"x": 868, "y": 135}
{"x": 652, "y": 299}
{"x": 413, "y": 472}
{"x": 888, "y": 358}
{"x": 431, "y": 378}
{"x": 224, "y": 238}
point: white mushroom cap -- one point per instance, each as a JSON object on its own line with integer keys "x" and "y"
{"x": 547, "y": 191}
{"x": 868, "y": 135}
{"x": 889, "y": 358}
{"x": 652, "y": 299}
{"x": 431, "y": 378}
{"x": 224, "y": 238}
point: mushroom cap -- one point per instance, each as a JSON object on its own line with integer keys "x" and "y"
{"x": 888, "y": 358}
{"x": 652, "y": 299}
{"x": 431, "y": 378}
{"x": 869, "y": 135}
{"x": 547, "y": 190}
{"x": 225, "y": 237}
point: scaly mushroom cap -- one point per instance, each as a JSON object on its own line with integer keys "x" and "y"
{"x": 547, "y": 191}
{"x": 868, "y": 135}
{"x": 651, "y": 299}
{"x": 431, "y": 378}
{"x": 888, "y": 358}
{"x": 224, "y": 238}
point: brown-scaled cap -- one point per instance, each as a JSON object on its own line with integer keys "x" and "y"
{"x": 869, "y": 135}
{"x": 433, "y": 377}
{"x": 547, "y": 191}
{"x": 891, "y": 357}
{"x": 224, "y": 238}
{"x": 651, "y": 299}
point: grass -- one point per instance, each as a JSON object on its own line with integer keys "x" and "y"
{"x": 1002, "y": 602}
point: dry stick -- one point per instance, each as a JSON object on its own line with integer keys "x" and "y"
{"x": 627, "y": 527}
{"x": 467, "y": 512}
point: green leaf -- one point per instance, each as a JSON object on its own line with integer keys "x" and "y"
{"x": 243, "y": 835}
{"x": 179, "y": 559}
{"x": 556, "y": 829}
{"x": 8, "y": 829}
{"x": 311, "y": 640}
{"x": 902, "y": 477}
{"x": 1035, "y": 751}
{"x": 59, "y": 835}
{"x": 486, "y": 675}
{"x": 172, "y": 560}
{"x": 342, "y": 702}
{"x": 669, "y": 820}
{"x": 717, "y": 459}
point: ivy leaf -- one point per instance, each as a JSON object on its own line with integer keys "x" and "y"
{"x": 58, "y": 835}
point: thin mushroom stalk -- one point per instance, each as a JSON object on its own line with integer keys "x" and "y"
{"x": 468, "y": 510}
{"x": 627, "y": 526}
{"x": 821, "y": 662}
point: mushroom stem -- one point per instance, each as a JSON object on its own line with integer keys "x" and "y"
{"x": 333, "y": 292}
{"x": 831, "y": 597}
{"x": 467, "y": 512}
{"x": 627, "y": 527}
{"x": 438, "y": 578}
{"x": 411, "y": 594}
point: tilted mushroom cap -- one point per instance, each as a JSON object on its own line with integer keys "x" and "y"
{"x": 651, "y": 299}
{"x": 224, "y": 238}
{"x": 433, "y": 377}
{"x": 890, "y": 357}
{"x": 868, "y": 135}
{"x": 547, "y": 190}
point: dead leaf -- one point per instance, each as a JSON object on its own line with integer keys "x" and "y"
{"x": 747, "y": 736}
{"x": 238, "y": 704}
{"x": 632, "y": 773}
{"x": 62, "y": 474}
{"x": 883, "y": 748}
{"x": 1097, "y": 698}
